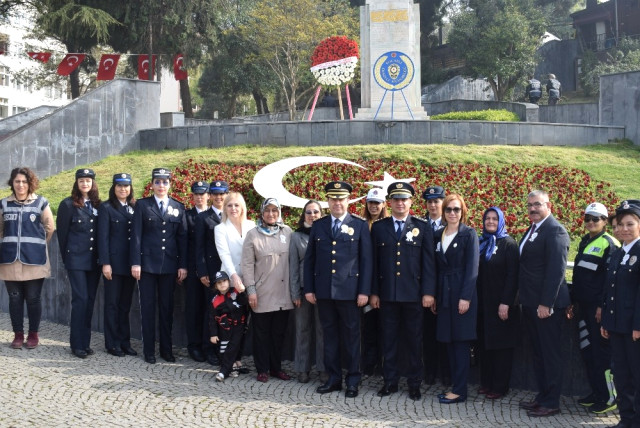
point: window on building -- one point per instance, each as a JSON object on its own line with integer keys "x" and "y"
{"x": 4, "y": 76}
{"x": 4, "y": 43}
{"x": 4, "y": 107}
{"x": 17, "y": 109}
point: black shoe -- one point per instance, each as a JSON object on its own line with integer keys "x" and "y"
{"x": 388, "y": 389}
{"x": 115, "y": 352}
{"x": 89, "y": 351}
{"x": 128, "y": 350}
{"x": 168, "y": 357}
{"x": 328, "y": 387}
{"x": 80, "y": 353}
{"x": 197, "y": 355}
{"x": 213, "y": 359}
{"x": 151, "y": 359}
{"x": 351, "y": 392}
{"x": 414, "y": 393}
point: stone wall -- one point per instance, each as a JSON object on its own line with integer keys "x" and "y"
{"x": 11, "y": 124}
{"x": 571, "y": 113}
{"x": 100, "y": 123}
{"x": 457, "y": 88}
{"x": 559, "y": 57}
{"x": 620, "y": 102}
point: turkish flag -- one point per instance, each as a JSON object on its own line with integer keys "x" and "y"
{"x": 69, "y": 63}
{"x": 179, "y": 70}
{"x": 107, "y": 66}
{"x": 143, "y": 67}
{"x": 40, "y": 56}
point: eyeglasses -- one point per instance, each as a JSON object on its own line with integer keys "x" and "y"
{"x": 594, "y": 219}
{"x": 159, "y": 182}
{"x": 536, "y": 205}
{"x": 312, "y": 212}
{"x": 450, "y": 210}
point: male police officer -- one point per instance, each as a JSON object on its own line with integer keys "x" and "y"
{"x": 337, "y": 276}
{"x": 404, "y": 281}
{"x": 158, "y": 256}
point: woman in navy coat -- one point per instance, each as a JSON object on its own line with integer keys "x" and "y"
{"x": 77, "y": 225}
{"x": 457, "y": 302}
{"x": 114, "y": 231}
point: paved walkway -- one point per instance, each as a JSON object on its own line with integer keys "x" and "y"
{"x": 47, "y": 386}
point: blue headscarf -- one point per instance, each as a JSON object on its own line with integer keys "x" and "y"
{"x": 488, "y": 240}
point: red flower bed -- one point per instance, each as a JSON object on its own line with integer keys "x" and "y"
{"x": 570, "y": 190}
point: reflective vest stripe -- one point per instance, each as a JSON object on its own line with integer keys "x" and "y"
{"x": 588, "y": 265}
{"x": 24, "y": 240}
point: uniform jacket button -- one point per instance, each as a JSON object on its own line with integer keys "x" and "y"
{"x": 333, "y": 271}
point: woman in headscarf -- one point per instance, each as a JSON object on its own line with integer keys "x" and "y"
{"x": 498, "y": 315}
{"x": 265, "y": 271}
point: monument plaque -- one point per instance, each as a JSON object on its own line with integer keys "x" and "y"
{"x": 390, "y": 61}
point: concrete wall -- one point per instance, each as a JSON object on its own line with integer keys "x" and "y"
{"x": 559, "y": 57}
{"x": 458, "y": 88}
{"x": 620, "y": 102}
{"x": 348, "y": 132}
{"x": 102, "y": 122}
{"x": 571, "y": 113}
{"x": 11, "y": 124}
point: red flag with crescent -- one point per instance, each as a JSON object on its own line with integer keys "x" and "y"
{"x": 40, "y": 56}
{"x": 70, "y": 63}
{"x": 179, "y": 70}
{"x": 143, "y": 67}
{"x": 107, "y": 67}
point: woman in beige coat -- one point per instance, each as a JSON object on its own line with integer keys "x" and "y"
{"x": 26, "y": 226}
{"x": 265, "y": 271}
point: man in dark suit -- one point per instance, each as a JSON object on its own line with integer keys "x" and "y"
{"x": 194, "y": 296}
{"x": 337, "y": 277}
{"x": 544, "y": 297}
{"x": 207, "y": 258}
{"x": 404, "y": 281}
{"x": 158, "y": 256}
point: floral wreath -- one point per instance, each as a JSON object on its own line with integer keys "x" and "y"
{"x": 334, "y": 61}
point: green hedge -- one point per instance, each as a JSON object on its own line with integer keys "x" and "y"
{"x": 490, "y": 115}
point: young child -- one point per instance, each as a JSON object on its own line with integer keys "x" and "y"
{"x": 226, "y": 322}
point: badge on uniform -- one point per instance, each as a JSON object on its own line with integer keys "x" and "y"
{"x": 129, "y": 209}
{"x": 32, "y": 217}
{"x": 438, "y": 247}
{"x": 495, "y": 249}
{"x": 410, "y": 235}
{"x": 633, "y": 260}
{"x": 173, "y": 211}
{"x": 95, "y": 212}
{"x": 533, "y": 236}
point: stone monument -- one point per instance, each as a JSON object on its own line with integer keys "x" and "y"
{"x": 390, "y": 61}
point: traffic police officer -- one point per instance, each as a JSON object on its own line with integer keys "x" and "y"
{"x": 621, "y": 313}
{"x": 77, "y": 224}
{"x": 114, "y": 236}
{"x": 158, "y": 254}
{"x": 337, "y": 276}
{"x": 194, "y": 298}
{"x": 404, "y": 281}
{"x": 207, "y": 258}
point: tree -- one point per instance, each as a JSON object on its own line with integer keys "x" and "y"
{"x": 285, "y": 32}
{"x": 624, "y": 57}
{"x": 498, "y": 41}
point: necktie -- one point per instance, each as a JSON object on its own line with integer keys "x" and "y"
{"x": 399, "y": 228}
{"x": 336, "y": 227}
{"x": 162, "y": 207}
{"x": 533, "y": 230}
{"x": 434, "y": 226}
{"x": 88, "y": 205}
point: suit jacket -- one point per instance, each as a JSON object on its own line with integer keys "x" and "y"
{"x": 457, "y": 276}
{"x": 114, "y": 236}
{"x": 191, "y": 216}
{"x": 339, "y": 268}
{"x": 159, "y": 243}
{"x": 403, "y": 270}
{"x": 77, "y": 236}
{"x": 207, "y": 258}
{"x": 542, "y": 267}
{"x": 621, "y": 306}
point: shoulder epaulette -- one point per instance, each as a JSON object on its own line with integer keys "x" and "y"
{"x": 360, "y": 217}
{"x": 422, "y": 219}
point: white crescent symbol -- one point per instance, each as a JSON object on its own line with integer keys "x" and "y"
{"x": 179, "y": 61}
{"x": 268, "y": 181}
{"x": 108, "y": 61}
{"x": 145, "y": 64}
{"x": 74, "y": 58}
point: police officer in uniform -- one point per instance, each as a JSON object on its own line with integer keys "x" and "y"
{"x": 158, "y": 258}
{"x": 337, "y": 277}
{"x": 621, "y": 313}
{"x": 114, "y": 234}
{"x": 77, "y": 225}
{"x": 404, "y": 281}
{"x": 194, "y": 298}
{"x": 533, "y": 90}
{"x": 207, "y": 258}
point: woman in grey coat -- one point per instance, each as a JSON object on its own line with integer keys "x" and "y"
{"x": 306, "y": 314}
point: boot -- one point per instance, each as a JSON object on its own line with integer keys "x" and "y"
{"x": 32, "y": 339}
{"x": 18, "y": 340}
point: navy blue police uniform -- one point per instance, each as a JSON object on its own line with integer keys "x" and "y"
{"x": 159, "y": 247}
{"x": 77, "y": 238}
{"x": 114, "y": 236}
{"x": 403, "y": 272}
{"x": 337, "y": 269}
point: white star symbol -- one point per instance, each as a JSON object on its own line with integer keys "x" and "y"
{"x": 388, "y": 179}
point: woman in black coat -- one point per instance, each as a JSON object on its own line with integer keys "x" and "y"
{"x": 114, "y": 229}
{"x": 457, "y": 303}
{"x": 77, "y": 225}
{"x": 498, "y": 315}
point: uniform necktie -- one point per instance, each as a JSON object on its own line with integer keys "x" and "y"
{"x": 162, "y": 207}
{"x": 399, "y": 228}
{"x": 434, "y": 226}
{"x": 336, "y": 227}
{"x": 533, "y": 230}
{"x": 88, "y": 205}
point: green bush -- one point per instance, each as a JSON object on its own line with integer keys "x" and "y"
{"x": 490, "y": 115}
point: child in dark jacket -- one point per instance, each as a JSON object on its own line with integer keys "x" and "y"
{"x": 226, "y": 322}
